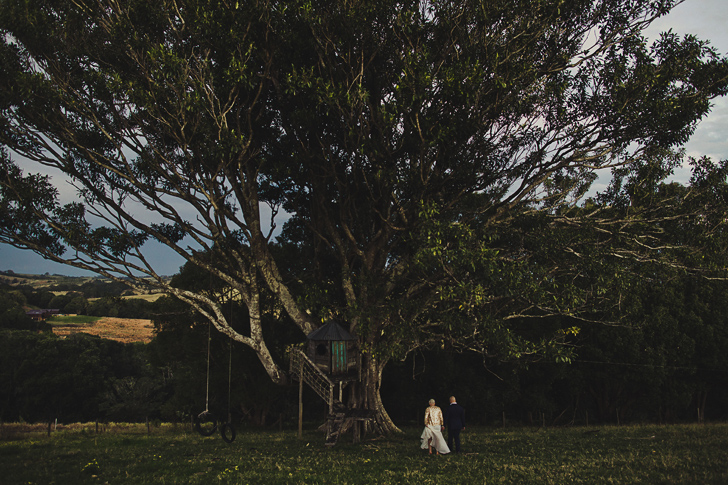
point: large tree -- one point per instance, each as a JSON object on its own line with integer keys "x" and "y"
{"x": 378, "y": 127}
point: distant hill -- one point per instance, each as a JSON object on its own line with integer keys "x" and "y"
{"x": 9, "y": 277}
{"x": 56, "y": 282}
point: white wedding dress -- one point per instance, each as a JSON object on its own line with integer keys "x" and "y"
{"x": 432, "y": 432}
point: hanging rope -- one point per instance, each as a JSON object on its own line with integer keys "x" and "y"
{"x": 206, "y": 422}
{"x": 206, "y": 418}
{"x": 207, "y": 390}
{"x": 228, "y": 429}
{"x": 230, "y": 375}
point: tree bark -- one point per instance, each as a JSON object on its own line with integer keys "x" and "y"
{"x": 368, "y": 396}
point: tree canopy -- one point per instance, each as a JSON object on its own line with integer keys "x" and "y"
{"x": 429, "y": 158}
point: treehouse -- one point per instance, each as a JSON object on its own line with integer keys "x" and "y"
{"x": 333, "y": 350}
{"x": 327, "y": 362}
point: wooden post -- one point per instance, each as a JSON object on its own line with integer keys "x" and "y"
{"x": 504, "y": 420}
{"x": 300, "y": 399}
{"x": 331, "y": 399}
{"x": 357, "y": 431}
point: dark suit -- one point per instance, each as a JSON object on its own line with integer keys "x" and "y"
{"x": 455, "y": 422}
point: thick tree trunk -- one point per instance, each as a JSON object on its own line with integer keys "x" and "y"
{"x": 367, "y": 396}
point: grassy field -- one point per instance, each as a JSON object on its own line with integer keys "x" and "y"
{"x": 129, "y": 454}
{"x": 67, "y": 320}
{"x": 150, "y": 298}
{"x": 125, "y": 330}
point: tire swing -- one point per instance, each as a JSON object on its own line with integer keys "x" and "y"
{"x": 206, "y": 422}
{"x": 225, "y": 429}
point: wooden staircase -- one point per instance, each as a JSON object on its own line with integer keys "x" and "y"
{"x": 305, "y": 371}
{"x": 335, "y": 424}
{"x": 302, "y": 369}
{"x": 339, "y": 419}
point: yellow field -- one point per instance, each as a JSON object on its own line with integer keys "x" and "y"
{"x": 126, "y": 330}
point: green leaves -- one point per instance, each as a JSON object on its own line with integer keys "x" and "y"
{"x": 171, "y": 232}
{"x": 430, "y": 156}
{"x": 23, "y": 201}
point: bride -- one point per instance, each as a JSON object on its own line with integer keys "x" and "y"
{"x": 432, "y": 434}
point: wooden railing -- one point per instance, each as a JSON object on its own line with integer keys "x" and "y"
{"x": 302, "y": 368}
{"x": 339, "y": 419}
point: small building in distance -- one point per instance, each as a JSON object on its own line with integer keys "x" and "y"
{"x": 43, "y": 314}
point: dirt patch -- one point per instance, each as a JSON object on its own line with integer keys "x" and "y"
{"x": 124, "y": 330}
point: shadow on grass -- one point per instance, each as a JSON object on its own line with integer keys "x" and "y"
{"x": 123, "y": 453}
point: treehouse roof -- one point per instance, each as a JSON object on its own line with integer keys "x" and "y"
{"x": 331, "y": 331}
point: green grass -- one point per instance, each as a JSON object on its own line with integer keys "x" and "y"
{"x": 68, "y": 320}
{"x": 127, "y": 454}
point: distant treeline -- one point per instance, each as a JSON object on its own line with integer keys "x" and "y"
{"x": 79, "y": 378}
{"x": 671, "y": 366}
{"x": 95, "y": 298}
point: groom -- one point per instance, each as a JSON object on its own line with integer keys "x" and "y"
{"x": 455, "y": 422}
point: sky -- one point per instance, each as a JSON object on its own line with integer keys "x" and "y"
{"x": 707, "y": 19}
